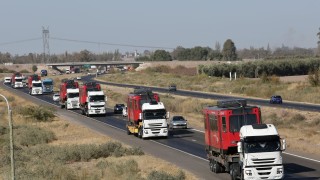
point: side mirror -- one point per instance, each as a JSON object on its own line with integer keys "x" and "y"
{"x": 239, "y": 147}
{"x": 140, "y": 115}
{"x": 284, "y": 145}
{"x": 168, "y": 115}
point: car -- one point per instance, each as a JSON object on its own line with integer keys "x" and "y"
{"x": 56, "y": 97}
{"x": 118, "y": 108}
{"x": 178, "y": 122}
{"x": 7, "y": 80}
{"x": 124, "y": 112}
{"x": 276, "y": 99}
{"x": 78, "y": 77}
{"x": 172, "y": 87}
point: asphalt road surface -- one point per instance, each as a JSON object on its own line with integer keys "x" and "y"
{"x": 185, "y": 148}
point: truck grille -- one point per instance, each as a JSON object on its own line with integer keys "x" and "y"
{"x": 263, "y": 161}
{"x": 155, "y": 125}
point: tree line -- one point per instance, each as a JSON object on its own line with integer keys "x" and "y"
{"x": 255, "y": 69}
{"x": 228, "y": 52}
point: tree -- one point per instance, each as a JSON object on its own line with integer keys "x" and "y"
{"x": 229, "y": 51}
{"x": 161, "y": 55}
{"x": 34, "y": 68}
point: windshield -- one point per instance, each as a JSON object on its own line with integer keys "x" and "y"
{"x": 73, "y": 95}
{"x": 71, "y": 86}
{"x": 177, "y": 118}
{"x": 262, "y": 144}
{"x": 155, "y": 114}
{"x": 237, "y": 121}
{"x": 18, "y": 80}
{"x": 47, "y": 83}
{"x": 96, "y": 98}
{"x": 36, "y": 84}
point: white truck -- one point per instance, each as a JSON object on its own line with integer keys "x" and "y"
{"x": 36, "y": 88}
{"x": 7, "y": 80}
{"x": 92, "y": 99}
{"x": 95, "y": 103}
{"x": 260, "y": 150}
{"x": 72, "y": 99}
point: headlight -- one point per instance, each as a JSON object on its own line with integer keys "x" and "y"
{"x": 165, "y": 130}
{"x": 248, "y": 172}
{"x": 279, "y": 170}
{"x": 146, "y": 131}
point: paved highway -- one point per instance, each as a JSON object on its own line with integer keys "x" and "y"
{"x": 253, "y": 101}
{"x": 185, "y": 148}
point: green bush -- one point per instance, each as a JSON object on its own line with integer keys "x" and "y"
{"x": 24, "y": 71}
{"x": 161, "y": 175}
{"x": 37, "y": 113}
{"x": 30, "y": 136}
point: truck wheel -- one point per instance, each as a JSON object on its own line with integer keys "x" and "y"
{"x": 83, "y": 112}
{"x": 128, "y": 132}
{"x": 140, "y": 133}
{"x": 61, "y": 106}
{"x": 233, "y": 172}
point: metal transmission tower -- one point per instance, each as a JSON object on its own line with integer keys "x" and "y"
{"x": 46, "y": 49}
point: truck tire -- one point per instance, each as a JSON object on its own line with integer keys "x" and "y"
{"x": 215, "y": 166}
{"x": 128, "y": 132}
{"x": 140, "y": 132}
{"x": 233, "y": 172}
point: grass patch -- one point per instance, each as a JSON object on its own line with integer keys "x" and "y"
{"x": 37, "y": 113}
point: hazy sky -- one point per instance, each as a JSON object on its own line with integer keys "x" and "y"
{"x": 162, "y": 23}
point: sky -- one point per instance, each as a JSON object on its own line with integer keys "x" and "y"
{"x": 149, "y": 23}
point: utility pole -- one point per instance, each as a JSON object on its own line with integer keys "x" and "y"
{"x": 46, "y": 49}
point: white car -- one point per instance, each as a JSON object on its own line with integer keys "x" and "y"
{"x": 56, "y": 97}
{"x": 79, "y": 78}
{"x": 7, "y": 80}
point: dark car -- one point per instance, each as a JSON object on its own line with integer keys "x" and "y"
{"x": 276, "y": 100}
{"x": 178, "y": 122}
{"x": 118, "y": 108}
{"x": 172, "y": 87}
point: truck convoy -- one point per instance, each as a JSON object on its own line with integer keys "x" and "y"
{"x": 69, "y": 94}
{"x": 16, "y": 80}
{"x": 47, "y": 85}
{"x": 237, "y": 142}
{"x": 147, "y": 116}
{"x": 34, "y": 84}
{"x": 92, "y": 99}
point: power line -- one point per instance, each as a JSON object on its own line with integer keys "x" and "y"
{"x": 19, "y": 41}
{"x": 110, "y": 44}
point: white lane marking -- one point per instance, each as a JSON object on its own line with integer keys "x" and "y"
{"x": 166, "y": 145}
{"x": 301, "y": 157}
{"x": 179, "y": 150}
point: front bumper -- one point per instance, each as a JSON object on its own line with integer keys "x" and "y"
{"x": 266, "y": 172}
{"x": 155, "y": 132}
{"x": 97, "y": 111}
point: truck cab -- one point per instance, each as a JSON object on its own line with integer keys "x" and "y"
{"x": 47, "y": 85}
{"x": 36, "y": 87}
{"x": 72, "y": 99}
{"x": 96, "y": 103}
{"x": 260, "y": 149}
{"x": 147, "y": 116}
{"x": 154, "y": 120}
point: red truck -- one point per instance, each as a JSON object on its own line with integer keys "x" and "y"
{"x": 34, "y": 84}
{"x": 147, "y": 116}
{"x": 16, "y": 80}
{"x": 230, "y": 128}
{"x": 69, "y": 94}
{"x": 92, "y": 99}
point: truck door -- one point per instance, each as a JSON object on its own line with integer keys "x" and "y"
{"x": 223, "y": 131}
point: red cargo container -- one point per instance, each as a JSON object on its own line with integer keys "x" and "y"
{"x": 31, "y": 78}
{"x": 66, "y": 84}
{"x": 88, "y": 86}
